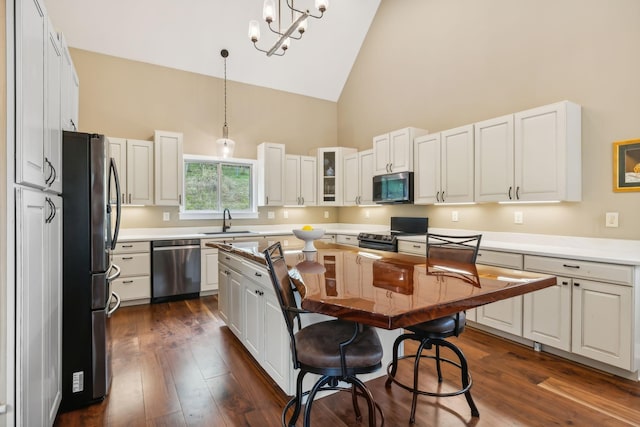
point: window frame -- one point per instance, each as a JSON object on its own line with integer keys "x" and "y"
{"x": 196, "y": 215}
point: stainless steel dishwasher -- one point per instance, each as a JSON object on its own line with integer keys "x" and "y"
{"x": 176, "y": 269}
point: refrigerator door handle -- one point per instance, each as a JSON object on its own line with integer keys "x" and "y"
{"x": 116, "y": 273}
{"x": 111, "y": 310}
{"x": 114, "y": 172}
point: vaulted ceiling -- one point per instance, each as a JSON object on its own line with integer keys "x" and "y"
{"x": 189, "y": 35}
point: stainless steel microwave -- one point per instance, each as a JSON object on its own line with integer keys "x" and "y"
{"x": 393, "y": 188}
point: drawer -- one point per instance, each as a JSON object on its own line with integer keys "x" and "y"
{"x": 233, "y": 261}
{"x": 133, "y": 264}
{"x": 599, "y": 271}
{"x": 415, "y": 248}
{"x": 258, "y": 274}
{"x": 131, "y": 288}
{"x": 500, "y": 259}
{"x": 128, "y": 247}
{"x": 344, "y": 239}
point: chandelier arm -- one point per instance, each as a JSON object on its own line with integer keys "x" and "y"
{"x": 255, "y": 44}
{"x": 290, "y": 30}
{"x": 290, "y": 5}
{"x": 282, "y": 34}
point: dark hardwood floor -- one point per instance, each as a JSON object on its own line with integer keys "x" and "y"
{"x": 177, "y": 364}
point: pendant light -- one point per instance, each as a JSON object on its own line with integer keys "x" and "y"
{"x": 225, "y": 145}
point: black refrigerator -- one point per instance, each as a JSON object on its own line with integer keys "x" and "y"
{"x": 88, "y": 239}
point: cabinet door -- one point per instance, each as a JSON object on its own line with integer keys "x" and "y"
{"x": 547, "y": 315}
{"x": 252, "y": 309}
{"x": 31, "y": 42}
{"x": 234, "y": 304}
{"x": 548, "y": 158}
{"x": 308, "y": 180}
{"x": 494, "y": 160}
{"x": 365, "y": 166}
{"x": 457, "y": 165}
{"x": 505, "y": 315}
{"x": 139, "y": 172}
{"x": 277, "y": 354}
{"x": 209, "y": 274}
{"x": 351, "y": 180}
{"x": 69, "y": 89}
{"x": 224, "y": 276}
{"x": 292, "y": 180}
{"x": 118, "y": 152}
{"x": 271, "y": 166}
{"x": 168, "y": 168}
{"x": 401, "y": 150}
{"x": 381, "y": 154}
{"x": 602, "y": 320}
{"x": 32, "y": 210}
{"x": 427, "y": 169}
{"x": 53, "y": 137}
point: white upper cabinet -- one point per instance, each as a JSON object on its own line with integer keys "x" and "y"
{"x": 134, "y": 162}
{"x": 444, "y": 167}
{"x": 70, "y": 89}
{"x": 168, "y": 168}
{"x": 53, "y": 135}
{"x": 533, "y": 155}
{"x": 271, "y": 166}
{"x": 358, "y": 178}
{"x": 31, "y": 47}
{"x": 300, "y": 180}
{"x": 331, "y": 174}
{"x": 393, "y": 152}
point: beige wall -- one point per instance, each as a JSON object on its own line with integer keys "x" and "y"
{"x": 131, "y": 99}
{"x": 439, "y": 64}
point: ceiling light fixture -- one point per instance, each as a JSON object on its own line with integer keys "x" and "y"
{"x": 224, "y": 144}
{"x": 298, "y": 23}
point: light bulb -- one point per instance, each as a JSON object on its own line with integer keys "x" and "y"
{"x": 322, "y": 5}
{"x": 269, "y": 11}
{"x": 302, "y": 26}
{"x": 254, "y": 31}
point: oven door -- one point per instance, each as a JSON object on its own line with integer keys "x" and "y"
{"x": 379, "y": 246}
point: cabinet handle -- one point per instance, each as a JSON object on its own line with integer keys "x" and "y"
{"x": 127, "y": 246}
{"x": 302, "y": 200}
{"x": 258, "y": 274}
{"x": 126, "y": 282}
{"x": 129, "y": 198}
{"x": 417, "y": 246}
{"x": 570, "y": 266}
{"x": 438, "y": 196}
{"x": 565, "y": 283}
{"x": 180, "y": 199}
{"x": 510, "y": 198}
{"x": 227, "y": 258}
{"x": 518, "y": 192}
{"x": 127, "y": 258}
{"x": 443, "y": 196}
{"x": 576, "y": 284}
{"x": 73, "y": 125}
{"x": 390, "y": 167}
{"x": 266, "y": 200}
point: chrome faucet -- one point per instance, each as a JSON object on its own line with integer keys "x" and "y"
{"x": 225, "y": 213}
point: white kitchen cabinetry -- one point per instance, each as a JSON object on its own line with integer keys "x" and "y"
{"x": 504, "y": 315}
{"x": 271, "y": 166}
{"x": 38, "y": 306}
{"x": 168, "y": 168}
{"x": 602, "y": 302}
{"x": 358, "y": 178}
{"x": 134, "y": 161}
{"x": 300, "y": 180}
{"x": 53, "y": 135}
{"x": 358, "y": 274}
{"x": 230, "y": 287}
{"x": 413, "y": 248}
{"x": 393, "y": 152}
{"x": 208, "y": 268}
{"x": 533, "y": 155}
{"x": 134, "y": 284}
{"x": 331, "y": 174}
{"x": 444, "y": 167}
{"x": 346, "y": 239}
{"x": 69, "y": 88}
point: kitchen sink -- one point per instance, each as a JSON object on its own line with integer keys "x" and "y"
{"x": 229, "y": 233}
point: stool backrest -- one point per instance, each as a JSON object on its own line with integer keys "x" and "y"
{"x": 453, "y": 248}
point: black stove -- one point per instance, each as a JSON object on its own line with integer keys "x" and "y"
{"x": 400, "y": 226}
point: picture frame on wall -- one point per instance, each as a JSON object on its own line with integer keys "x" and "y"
{"x": 626, "y": 165}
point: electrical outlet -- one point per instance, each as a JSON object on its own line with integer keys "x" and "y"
{"x": 454, "y": 216}
{"x": 366, "y": 214}
{"x": 518, "y": 218}
{"x": 611, "y": 219}
{"x": 166, "y": 216}
{"x": 271, "y": 215}
{"x": 285, "y": 214}
{"x": 326, "y": 214}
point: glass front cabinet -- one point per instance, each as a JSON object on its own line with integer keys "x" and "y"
{"x": 331, "y": 174}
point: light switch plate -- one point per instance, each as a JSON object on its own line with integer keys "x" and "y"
{"x": 454, "y": 216}
{"x": 271, "y": 215}
{"x": 518, "y": 217}
{"x": 166, "y": 216}
{"x": 326, "y": 214}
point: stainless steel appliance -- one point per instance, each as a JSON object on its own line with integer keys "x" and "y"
{"x": 176, "y": 269}
{"x": 88, "y": 238}
{"x": 393, "y": 188}
{"x": 400, "y": 226}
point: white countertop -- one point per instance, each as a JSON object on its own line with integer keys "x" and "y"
{"x": 614, "y": 251}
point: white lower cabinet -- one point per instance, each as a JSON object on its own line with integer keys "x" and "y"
{"x": 344, "y": 239}
{"x": 590, "y": 312}
{"x": 134, "y": 284}
{"x": 505, "y": 315}
{"x": 208, "y": 268}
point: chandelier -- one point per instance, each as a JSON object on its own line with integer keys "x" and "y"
{"x": 225, "y": 145}
{"x": 298, "y": 24}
